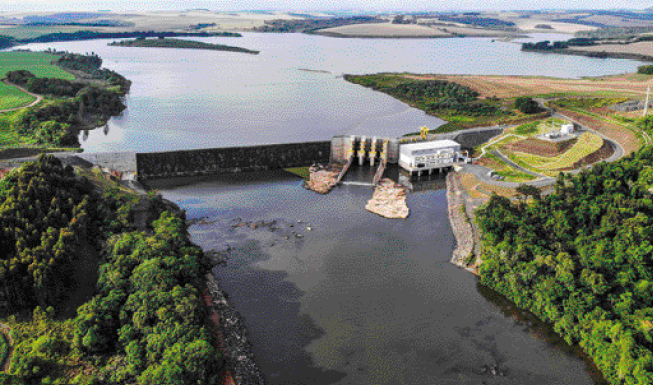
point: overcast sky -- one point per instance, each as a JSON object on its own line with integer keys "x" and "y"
{"x": 376, "y": 5}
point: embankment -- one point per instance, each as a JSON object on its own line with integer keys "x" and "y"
{"x": 230, "y": 327}
{"x": 460, "y": 225}
{"x": 156, "y": 165}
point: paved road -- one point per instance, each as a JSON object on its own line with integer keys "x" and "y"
{"x": 481, "y": 173}
{"x": 515, "y": 165}
{"x": 35, "y": 102}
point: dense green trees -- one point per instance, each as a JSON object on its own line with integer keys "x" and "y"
{"x": 546, "y": 45}
{"x": 435, "y": 96}
{"x": 44, "y": 86}
{"x": 149, "y": 310}
{"x": 145, "y": 325}
{"x": 646, "y": 70}
{"x": 45, "y": 214}
{"x": 527, "y": 105}
{"x": 582, "y": 259}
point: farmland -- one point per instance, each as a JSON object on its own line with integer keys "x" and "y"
{"x": 38, "y": 63}
{"x": 12, "y": 97}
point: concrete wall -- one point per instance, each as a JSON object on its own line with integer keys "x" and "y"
{"x": 230, "y": 159}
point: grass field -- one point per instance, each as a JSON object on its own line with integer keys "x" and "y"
{"x": 38, "y": 63}
{"x": 587, "y": 144}
{"x": 301, "y": 172}
{"x": 24, "y": 32}
{"x": 11, "y": 97}
{"x": 509, "y": 174}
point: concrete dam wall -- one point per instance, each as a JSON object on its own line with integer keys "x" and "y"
{"x": 155, "y": 165}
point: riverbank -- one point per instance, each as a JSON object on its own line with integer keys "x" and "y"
{"x": 464, "y": 253}
{"x": 229, "y": 325}
{"x": 599, "y": 52}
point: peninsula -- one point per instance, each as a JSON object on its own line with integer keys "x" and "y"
{"x": 179, "y": 43}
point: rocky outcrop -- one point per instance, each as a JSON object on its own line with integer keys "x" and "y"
{"x": 321, "y": 179}
{"x": 236, "y": 347}
{"x": 460, "y": 225}
{"x": 389, "y": 200}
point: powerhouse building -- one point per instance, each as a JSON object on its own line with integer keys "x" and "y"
{"x": 429, "y": 156}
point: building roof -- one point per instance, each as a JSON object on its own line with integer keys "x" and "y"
{"x": 434, "y": 144}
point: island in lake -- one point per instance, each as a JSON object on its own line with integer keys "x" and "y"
{"x": 179, "y": 43}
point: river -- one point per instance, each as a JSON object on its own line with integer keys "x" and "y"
{"x": 358, "y": 299}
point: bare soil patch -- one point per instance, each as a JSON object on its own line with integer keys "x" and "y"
{"x": 514, "y": 86}
{"x": 615, "y": 132}
{"x": 541, "y": 147}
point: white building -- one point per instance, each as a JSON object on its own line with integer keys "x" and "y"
{"x": 566, "y": 129}
{"x": 428, "y": 156}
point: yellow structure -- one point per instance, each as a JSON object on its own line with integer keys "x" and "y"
{"x": 424, "y": 131}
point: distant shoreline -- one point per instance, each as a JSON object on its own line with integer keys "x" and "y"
{"x": 179, "y": 43}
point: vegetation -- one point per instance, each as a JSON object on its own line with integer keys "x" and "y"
{"x": 48, "y": 34}
{"x": 528, "y": 128}
{"x": 587, "y": 144}
{"x": 458, "y": 104}
{"x": 178, "y": 43}
{"x": 311, "y": 25}
{"x": 527, "y": 105}
{"x": 45, "y": 215}
{"x": 646, "y": 70}
{"x": 146, "y": 323}
{"x": 4, "y": 348}
{"x": 38, "y": 63}
{"x": 301, "y": 172}
{"x": 580, "y": 258}
{"x": 73, "y": 106}
{"x": 44, "y": 86}
{"x": 586, "y": 103}
{"x": 558, "y": 45}
{"x": 11, "y": 97}
{"x": 485, "y": 22}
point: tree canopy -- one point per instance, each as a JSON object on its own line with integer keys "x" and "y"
{"x": 581, "y": 258}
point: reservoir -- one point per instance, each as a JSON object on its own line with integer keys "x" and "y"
{"x": 357, "y": 299}
{"x": 185, "y": 99}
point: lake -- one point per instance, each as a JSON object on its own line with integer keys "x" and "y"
{"x": 182, "y": 99}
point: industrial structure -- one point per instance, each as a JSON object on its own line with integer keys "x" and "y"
{"x": 429, "y": 156}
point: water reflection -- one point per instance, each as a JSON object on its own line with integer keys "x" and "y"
{"x": 541, "y": 330}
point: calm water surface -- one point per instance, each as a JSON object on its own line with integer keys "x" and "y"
{"x": 200, "y": 99}
{"x": 361, "y": 299}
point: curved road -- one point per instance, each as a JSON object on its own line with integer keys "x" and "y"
{"x": 32, "y": 104}
{"x": 481, "y": 173}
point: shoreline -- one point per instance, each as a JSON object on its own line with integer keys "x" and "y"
{"x": 462, "y": 229}
{"x": 240, "y": 367}
{"x": 390, "y": 36}
{"x": 599, "y": 55}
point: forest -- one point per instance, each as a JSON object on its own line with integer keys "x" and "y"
{"x": 74, "y": 105}
{"x": 6, "y": 41}
{"x": 581, "y": 258}
{"x": 179, "y": 43}
{"x": 46, "y": 213}
{"x": 431, "y": 95}
{"x": 546, "y": 45}
{"x": 145, "y": 324}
